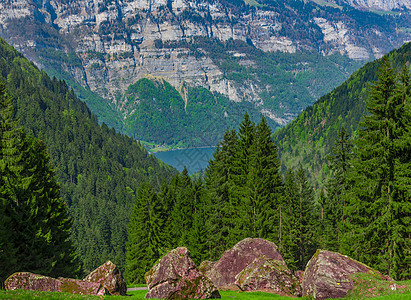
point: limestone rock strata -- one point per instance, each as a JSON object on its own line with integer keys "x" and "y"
{"x": 121, "y": 41}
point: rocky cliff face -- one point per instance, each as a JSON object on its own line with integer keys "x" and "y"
{"x": 115, "y": 43}
{"x": 384, "y": 5}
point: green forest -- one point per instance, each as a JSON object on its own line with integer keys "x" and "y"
{"x": 364, "y": 210}
{"x": 307, "y": 140}
{"x": 83, "y": 193}
{"x": 94, "y": 170}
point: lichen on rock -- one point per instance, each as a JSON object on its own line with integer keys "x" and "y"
{"x": 109, "y": 277}
{"x": 328, "y": 275}
{"x": 234, "y": 260}
{"x": 269, "y": 275}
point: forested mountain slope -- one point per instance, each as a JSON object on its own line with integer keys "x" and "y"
{"x": 278, "y": 55}
{"x": 309, "y": 137}
{"x": 99, "y": 169}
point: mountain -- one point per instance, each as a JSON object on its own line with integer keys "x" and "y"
{"x": 278, "y": 55}
{"x": 382, "y": 5}
{"x": 98, "y": 168}
{"x": 309, "y": 137}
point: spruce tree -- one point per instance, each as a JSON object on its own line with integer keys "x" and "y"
{"x": 240, "y": 192}
{"x": 218, "y": 184}
{"x": 289, "y": 221}
{"x": 305, "y": 219}
{"x": 265, "y": 185}
{"x": 378, "y": 213}
{"x": 183, "y": 209}
{"x": 333, "y": 205}
{"x": 38, "y": 219}
{"x": 145, "y": 245}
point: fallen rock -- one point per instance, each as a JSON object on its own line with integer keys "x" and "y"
{"x": 234, "y": 260}
{"x": 76, "y": 286}
{"x": 32, "y": 282}
{"x": 268, "y": 275}
{"x": 109, "y": 277}
{"x": 35, "y": 282}
{"x": 175, "y": 276}
{"x": 327, "y": 275}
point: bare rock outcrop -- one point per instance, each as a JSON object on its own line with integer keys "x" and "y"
{"x": 327, "y": 275}
{"x": 237, "y": 258}
{"x": 109, "y": 277}
{"x": 269, "y": 275}
{"x": 175, "y": 276}
{"x": 35, "y": 282}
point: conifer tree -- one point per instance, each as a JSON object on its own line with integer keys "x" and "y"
{"x": 183, "y": 209}
{"x": 289, "y": 221}
{"x": 333, "y": 205}
{"x": 38, "y": 219}
{"x": 265, "y": 185}
{"x": 240, "y": 192}
{"x": 198, "y": 236}
{"x": 218, "y": 184}
{"x": 305, "y": 219}
{"x": 145, "y": 244}
{"x": 378, "y": 213}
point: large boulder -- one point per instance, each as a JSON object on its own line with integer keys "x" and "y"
{"x": 234, "y": 260}
{"x": 269, "y": 275}
{"x": 110, "y": 277}
{"x": 328, "y": 275}
{"x": 32, "y": 282}
{"x": 35, "y": 282}
{"x": 175, "y": 276}
{"x": 76, "y": 286}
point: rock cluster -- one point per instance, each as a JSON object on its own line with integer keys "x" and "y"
{"x": 175, "y": 276}
{"x": 105, "y": 280}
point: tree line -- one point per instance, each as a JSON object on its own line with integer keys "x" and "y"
{"x": 364, "y": 211}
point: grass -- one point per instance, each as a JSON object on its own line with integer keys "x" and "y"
{"x": 357, "y": 294}
{"x": 370, "y": 286}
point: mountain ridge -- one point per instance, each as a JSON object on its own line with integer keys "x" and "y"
{"x": 308, "y": 139}
{"x": 103, "y": 47}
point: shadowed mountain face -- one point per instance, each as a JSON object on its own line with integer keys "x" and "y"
{"x": 278, "y": 55}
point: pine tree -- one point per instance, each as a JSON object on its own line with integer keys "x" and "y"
{"x": 145, "y": 245}
{"x": 198, "y": 236}
{"x": 183, "y": 209}
{"x": 38, "y": 219}
{"x": 305, "y": 219}
{"x": 240, "y": 190}
{"x": 289, "y": 221}
{"x": 265, "y": 185}
{"x": 333, "y": 205}
{"x": 218, "y": 184}
{"x": 378, "y": 213}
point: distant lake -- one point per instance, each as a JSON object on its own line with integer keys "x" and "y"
{"x": 195, "y": 159}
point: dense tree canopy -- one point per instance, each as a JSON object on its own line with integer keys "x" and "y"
{"x": 35, "y": 222}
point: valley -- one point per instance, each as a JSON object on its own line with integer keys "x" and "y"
{"x": 251, "y": 57}
{"x": 297, "y": 113}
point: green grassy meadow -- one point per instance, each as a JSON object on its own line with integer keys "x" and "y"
{"x": 21, "y": 294}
